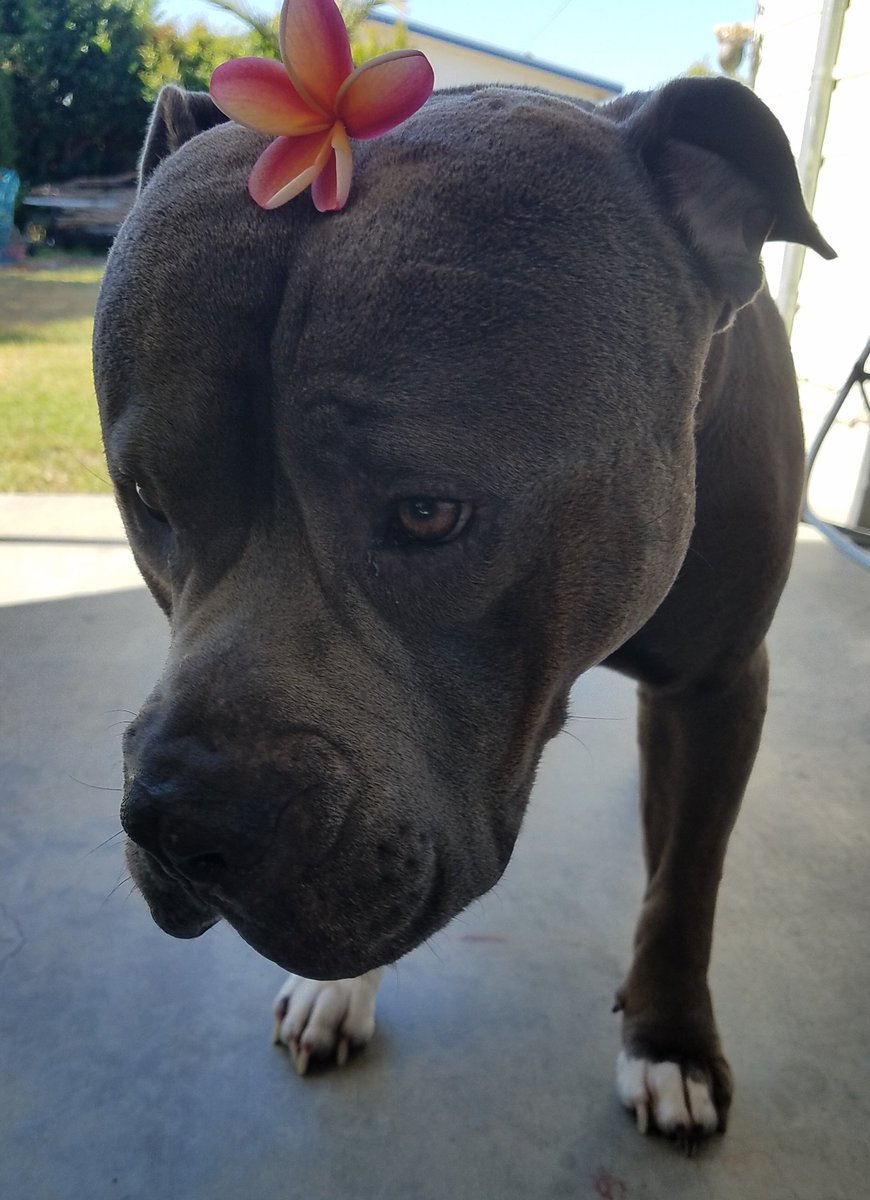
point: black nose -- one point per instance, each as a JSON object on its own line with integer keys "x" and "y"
{"x": 202, "y": 838}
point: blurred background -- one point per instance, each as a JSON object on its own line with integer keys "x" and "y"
{"x": 78, "y": 78}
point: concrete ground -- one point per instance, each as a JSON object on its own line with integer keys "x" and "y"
{"x": 135, "y": 1067}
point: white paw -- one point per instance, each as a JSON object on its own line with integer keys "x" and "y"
{"x": 316, "y": 1018}
{"x": 660, "y": 1093}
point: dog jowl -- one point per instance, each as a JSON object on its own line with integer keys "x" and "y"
{"x": 398, "y": 475}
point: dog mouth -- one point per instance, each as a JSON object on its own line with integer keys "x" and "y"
{"x": 315, "y": 928}
{"x": 329, "y": 884}
{"x": 346, "y": 941}
{"x": 175, "y": 905}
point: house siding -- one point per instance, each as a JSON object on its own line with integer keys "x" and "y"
{"x": 832, "y": 320}
{"x": 457, "y": 63}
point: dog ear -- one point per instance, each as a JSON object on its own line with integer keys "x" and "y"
{"x": 177, "y": 117}
{"x": 722, "y": 166}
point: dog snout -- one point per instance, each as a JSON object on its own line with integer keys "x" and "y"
{"x": 198, "y": 837}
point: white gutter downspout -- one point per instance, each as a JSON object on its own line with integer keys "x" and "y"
{"x": 812, "y": 142}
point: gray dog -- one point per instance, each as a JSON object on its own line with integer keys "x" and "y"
{"x": 399, "y": 475}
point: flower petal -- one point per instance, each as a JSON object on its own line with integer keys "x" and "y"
{"x": 384, "y": 91}
{"x": 257, "y": 92}
{"x": 330, "y": 189}
{"x": 287, "y": 166}
{"x": 315, "y": 48}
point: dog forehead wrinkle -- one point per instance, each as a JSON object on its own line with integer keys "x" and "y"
{"x": 440, "y": 205}
{"x": 420, "y": 291}
{"x": 189, "y": 240}
{"x": 412, "y": 441}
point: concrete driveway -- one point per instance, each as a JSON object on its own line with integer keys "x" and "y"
{"x": 135, "y": 1067}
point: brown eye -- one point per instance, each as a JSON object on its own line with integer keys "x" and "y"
{"x": 428, "y": 520}
{"x": 148, "y": 504}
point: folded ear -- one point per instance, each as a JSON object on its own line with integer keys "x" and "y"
{"x": 177, "y": 117}
{"x": 723, "y": 169}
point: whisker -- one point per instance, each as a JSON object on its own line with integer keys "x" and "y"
{"x": 94, "y": 786}
{"x": 580, "y": 742}
{"x": 119, "y": 884}
{"x": 698, "y": 554}
{"x": 433, "y": 951}
{"x": 90, "y": 470}
{"x": 120, "y": 833}
{"x": 574, "y": 738}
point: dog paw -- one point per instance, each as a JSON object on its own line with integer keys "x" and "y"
{"x": 320, "y": 1018}
{"x": 679, "y": 1100}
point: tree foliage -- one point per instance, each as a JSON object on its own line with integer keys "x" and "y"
{"x": 188, "y": 56}
{"x": 8, "y": 130}
{"x": 77, "y": 96}
{"x": 364, "y": 45}
{"x": 78, "y": 77}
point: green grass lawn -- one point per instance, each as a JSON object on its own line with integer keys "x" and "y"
{"x": 49, "y": 432}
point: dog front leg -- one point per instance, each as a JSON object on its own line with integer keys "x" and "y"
{"x": 319, "y": 1018}
{"x": 697, "y": 745}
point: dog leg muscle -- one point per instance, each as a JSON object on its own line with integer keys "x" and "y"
{"x": 698, "y": 745}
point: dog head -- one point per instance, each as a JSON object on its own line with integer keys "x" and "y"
{"x": 398, "y": 475}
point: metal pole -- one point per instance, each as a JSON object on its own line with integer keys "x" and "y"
{"x": 812, "y": 142}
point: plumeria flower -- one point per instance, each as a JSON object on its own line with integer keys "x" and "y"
{"x": 315, "y": 102}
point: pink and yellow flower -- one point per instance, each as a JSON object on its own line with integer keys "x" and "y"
{"x": 315, "y": 101}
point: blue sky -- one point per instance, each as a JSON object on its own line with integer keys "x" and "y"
{"x": 637, "y": 43}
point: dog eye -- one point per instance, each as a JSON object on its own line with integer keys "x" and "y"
{"x": 429, "y": 520}
{"x": 150, "y": 507}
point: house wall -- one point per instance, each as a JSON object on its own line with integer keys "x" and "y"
{"x": 832, "y": 321}
{"x": 456, "y": 64}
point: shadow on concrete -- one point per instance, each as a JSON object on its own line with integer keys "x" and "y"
{"x": 135, "y": 1067}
